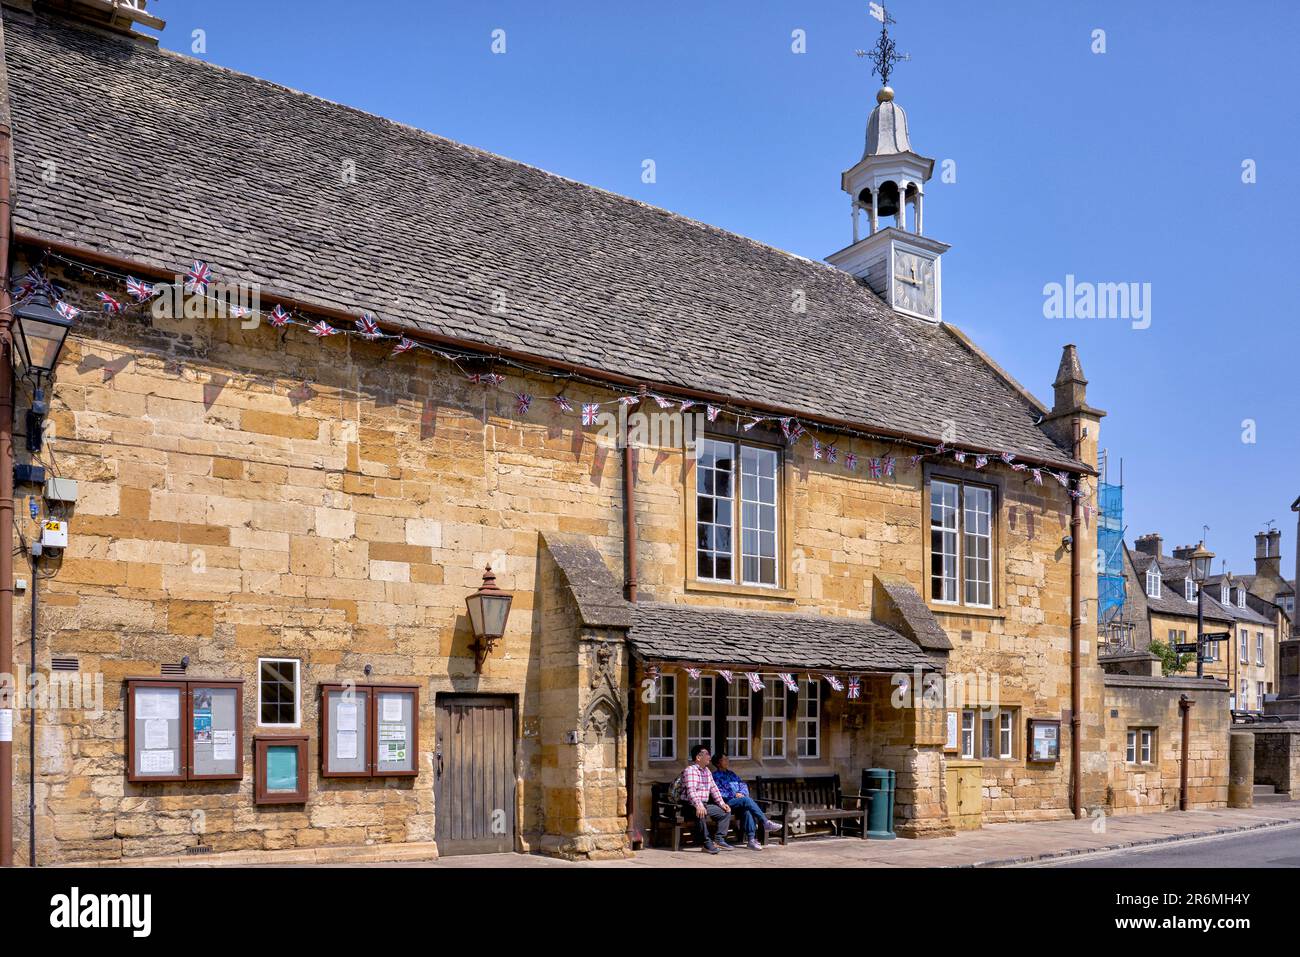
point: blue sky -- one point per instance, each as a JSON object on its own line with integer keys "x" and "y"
{"x": 1117, "y": 167}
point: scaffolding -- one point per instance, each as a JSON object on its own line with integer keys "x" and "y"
{"x": 1110, "y": 547}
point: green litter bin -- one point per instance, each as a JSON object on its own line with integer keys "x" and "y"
{"x": 878, "y": 785}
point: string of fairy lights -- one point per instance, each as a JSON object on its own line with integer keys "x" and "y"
{"x": 481, "y": 367}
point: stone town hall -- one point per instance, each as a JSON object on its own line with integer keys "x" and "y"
{"x": 281, "y": 507}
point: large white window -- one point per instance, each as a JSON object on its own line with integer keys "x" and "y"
{"x": 1189, "y": 589}
{"x": 773, "y": 731}
{"x": 809, "y": 726}
{"x": 1259, "y": 696}
{"x": 968, "y": 734}
{"x": 721, "y": 546}
{"x": 278, "y": 693}
{"x": 699, "y": 711}
{"x": 663, "y": 719}
{"x": 1245, "y": 646}
{"x": 738, "y": 722}
{"x": 1139, "y": 746}
{"x": 961, "y": 543}
{"x": 1006, "y": 734}
{"x": 1259, "y": 647}
{"x": 996, "y": 733}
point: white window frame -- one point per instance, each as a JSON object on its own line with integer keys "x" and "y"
{"x": 697, "y": 721}
{"x": 297, "y": 692}
{"x": 740, "y": 454}
{"x": 1225, "y": 594}
{"x": 1241, "y": 597}
{"x": 1245, "y": 645}
{"x": 951, "y": 519}
{"x": 1189, "y": 590}
{"x": 968, "y": 734}
{"x": 808, "y": 727}
{"x": 1259, "y": 696}
{"x": 1146, "y": 739}
{"x": 1244, "y": 694}
{"x": 662, "y": 715}
{"x": 1130, "y": 746}
{"x": 1259, "y": 647}
{"x": 739, "y": 726}
{"x": 1006, "y": 735}
{"x": 1153, "y": 581}
{"x": 773, "y": 732}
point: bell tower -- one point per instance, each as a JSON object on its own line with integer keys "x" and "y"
{"x": 898, "y": 262}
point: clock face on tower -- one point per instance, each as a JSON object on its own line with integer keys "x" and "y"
{"x": 913, "y": 283}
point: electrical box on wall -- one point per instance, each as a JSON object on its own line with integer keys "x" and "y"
{"x": 27, "y": 474}
{"x": 61, "y": 490}
{"x": 54, "y": 534}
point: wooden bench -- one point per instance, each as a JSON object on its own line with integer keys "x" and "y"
{"x": 798, "y": 802}
{"x": 665, "y": 813}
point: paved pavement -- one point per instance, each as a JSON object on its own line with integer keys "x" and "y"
{"x": 992, "y": 845}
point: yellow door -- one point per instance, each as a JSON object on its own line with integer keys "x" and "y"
{"x": 965, "y": 781}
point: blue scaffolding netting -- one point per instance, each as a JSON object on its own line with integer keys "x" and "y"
{"x": 1110, "y": 548}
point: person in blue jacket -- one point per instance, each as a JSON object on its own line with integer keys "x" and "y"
{"x": 736, "y": 794}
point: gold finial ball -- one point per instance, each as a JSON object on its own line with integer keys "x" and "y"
{"x": 885, "y": 95}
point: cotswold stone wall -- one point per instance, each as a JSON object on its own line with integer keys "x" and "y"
{"x": 1134, "y": 701}
{"x": 248, "y": 494}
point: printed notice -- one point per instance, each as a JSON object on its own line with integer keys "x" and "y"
{"x": 223, "y": 745}
{"x": 157, "y": 703}
{"x": 345, "y": 746}
{"x": 392, "y": 707}
{"x": 347, "y": 717}
{"x": 156, "y": 762}
{"x": 155, "y": 734}
{"x": 6, "y": 724}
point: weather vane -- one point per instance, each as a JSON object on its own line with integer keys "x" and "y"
{"x": 883, "y": 55}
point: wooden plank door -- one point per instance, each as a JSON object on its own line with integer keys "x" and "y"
{"x": 474, "y": 775}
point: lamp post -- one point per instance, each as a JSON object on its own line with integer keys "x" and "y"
{"x": 41, "y": 333}
{"x": 1201, "y": 559}
{"x": 489, "y": 607}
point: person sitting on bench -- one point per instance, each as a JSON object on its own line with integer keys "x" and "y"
{"x": 697, "y": 788}
{"x": 736, "y": 793}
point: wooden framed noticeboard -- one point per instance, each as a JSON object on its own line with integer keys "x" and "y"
{"x": 369, "y": 730}
{"x": 184, "y": 730}
{"x": 1044, "y": 739}
{"x": 280, "y": 768}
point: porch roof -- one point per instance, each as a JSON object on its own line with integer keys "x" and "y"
{"x": 785, "y": 640}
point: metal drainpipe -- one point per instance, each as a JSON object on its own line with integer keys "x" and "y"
{"x": 1076, "y": 635}
{"x": 1185, "y": 706}
{"x": 6, "y": 473}
{"x": 31, "y": 718}
{"x": 634, "y": 835}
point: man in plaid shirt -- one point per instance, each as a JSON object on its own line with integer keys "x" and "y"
{"x": 697, "y": 788}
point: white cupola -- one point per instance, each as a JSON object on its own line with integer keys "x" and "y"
{"x": 897, "y": 261}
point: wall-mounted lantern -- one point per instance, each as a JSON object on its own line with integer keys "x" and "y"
{"x": 489, "y": 607}
{"x": 41, "y": 332}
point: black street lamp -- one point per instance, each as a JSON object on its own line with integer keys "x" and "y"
{"x": 1201, "y": 559}
{"x": 41, "y": 331}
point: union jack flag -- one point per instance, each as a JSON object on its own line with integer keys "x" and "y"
{"x": 522, "y": 401}
{"x": 693, "y": 672}
{"x": 367, "y": 326}
{"x": 755, "y": 682}
{"x": 198, "y": 278}
{"x": 710, "y": 412}
{"x": 278, "y": 317}
{"x": 914, "y": 461}
{"x": 589, "y": 412}
{"x": 851, "y": 460}
{"x": 796, "y": 433}
{"x": 1075, "y": 494}
{"x": 788, "y": 679}
{"x": 785, "y": 427}
{"x": 688, "y": 404}
{"x": 832, "y": 454}
{"x": 874, "y": 468}
{"x": 66, "y": 311}
{"x": 960, "y": 457}
{"x": 240, "y": 312}
{"x": 855, "y": 687}
{"x": 1062, "y": 478}
{"x": 403, "y": 345}
{"x": 662, "y": 402}
{"x": 981, "y": 461}
{"x": 564, "y": 404}
{"x": 111, "y": 305}
{"x": 1038, "y": 476}
{"x": 1018, "y": 466}
{"x": 137, "y": 290}
{"x": 726, "y": 676}
{"x": 941, "y": 449}
{"x": 817, "y": 450}
{"x": 751, "y": 423}
{"x": 492, "y": 378}
{"x": 834, "y": 682}
{"x": 29, "y": 284}
{"x": 629, "y": 399}
{"x": 1008, "y": 457}
{"x": 888, "y": 462}
{"x": 323, "y": 329}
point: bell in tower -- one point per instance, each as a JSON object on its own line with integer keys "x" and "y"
{"x": 896, "y": 260}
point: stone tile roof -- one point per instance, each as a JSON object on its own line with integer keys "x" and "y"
{"x": 1173, "y": 572}
{"x": 782, "y": 640}
{"x": 600, "y": 601}
{"x": 164, "y": 159}
{"x": 898, "y": 604}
